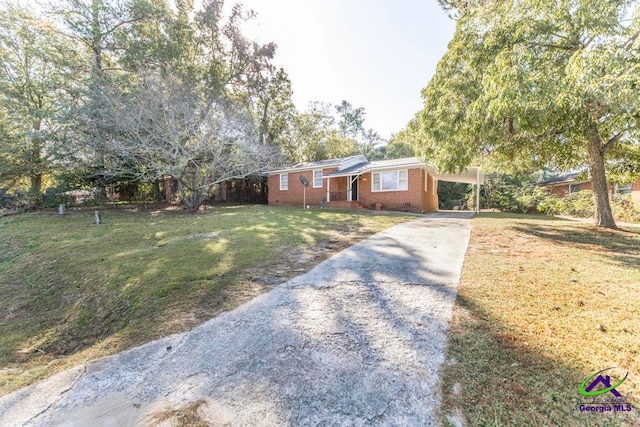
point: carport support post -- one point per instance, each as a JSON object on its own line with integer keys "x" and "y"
{"x": 477, "y": 190}
{"x": 328, "y": 191}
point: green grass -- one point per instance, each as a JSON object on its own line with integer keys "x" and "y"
{"x": 71, "y": 291}
{"x": 542, "y": 304}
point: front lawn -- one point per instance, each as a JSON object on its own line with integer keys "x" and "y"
{"x": 543, "y": 303}
{"x": 71, "y": 291}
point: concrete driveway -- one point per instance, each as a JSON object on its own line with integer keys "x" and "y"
{"x": 358, "y": 340}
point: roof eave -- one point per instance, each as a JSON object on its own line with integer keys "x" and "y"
{"x": 310, "y": 168}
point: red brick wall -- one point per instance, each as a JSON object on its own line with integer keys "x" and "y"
{"x": 587, "y": 186}
{"x": 635, "y": 192}
{"x": 393, "y": 200}
{"x": 563, "y": 190}
{"x": 409, "y": 200}
{"x": 559, "y": 190}
{"x": 294, "y": 195}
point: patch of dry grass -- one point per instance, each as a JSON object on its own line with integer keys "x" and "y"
{"x": 71, "y": 291}
{"x": 542, "y": 304}
{"x": 186, "y": 416}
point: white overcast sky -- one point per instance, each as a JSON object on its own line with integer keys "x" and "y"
{"x": 376, "y": 54}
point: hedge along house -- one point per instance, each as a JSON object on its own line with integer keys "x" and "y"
{"x": 354, "y": 182}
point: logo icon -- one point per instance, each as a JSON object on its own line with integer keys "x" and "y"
{"x": 605, "y": 381}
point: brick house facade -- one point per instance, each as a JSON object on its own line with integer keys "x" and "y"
{"x": 353, "y": 182}
{"x": 635, "y": 192}
{"x": 567, "y": 184}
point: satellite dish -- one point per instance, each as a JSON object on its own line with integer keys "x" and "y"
{"x": 304, "y": 180}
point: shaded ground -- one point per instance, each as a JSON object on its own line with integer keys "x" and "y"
{"x": 359, "y": 340}
{"x": 542, "y": 304}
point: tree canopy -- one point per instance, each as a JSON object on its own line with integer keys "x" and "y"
{"x": 125, "y": 93}
{"x": 38, "y": 86}
{"x": 529, "y": 83}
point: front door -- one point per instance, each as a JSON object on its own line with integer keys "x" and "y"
{"x": 354, "y": 188}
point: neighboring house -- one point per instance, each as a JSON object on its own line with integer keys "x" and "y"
{"x": 569, "y": 183}
{"x": 354, "y": 182}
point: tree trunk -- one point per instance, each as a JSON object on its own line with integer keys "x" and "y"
{"x": 603, "y": 215}
{"x": 36, "y": 189}
{"x": 193, "y": 200}
{"x": 264, "y": 197}
{"x": 35, "y": 161}
{"x": 96, "y": 36}
{"x": 263, "y": 124}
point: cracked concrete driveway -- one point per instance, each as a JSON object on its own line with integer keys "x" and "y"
{"x": 358, "y": 340}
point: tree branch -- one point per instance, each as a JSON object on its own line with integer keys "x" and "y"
{"x": 615, "y": 138}
{"x": 632, "y": 40}
{"x": 121, "y": 23}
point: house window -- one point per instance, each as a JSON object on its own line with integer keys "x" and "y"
{"x": 317, "y": 179}
{"x": 623, "y": 189}
{"x": 574, "y": 188}
{"x": 284, "y": 181}
{"x": 389, "y": 181}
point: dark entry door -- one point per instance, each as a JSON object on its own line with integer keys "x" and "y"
{"x": 354, "y": 188}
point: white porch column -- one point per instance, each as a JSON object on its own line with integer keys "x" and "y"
{"x": 328, "y": 190}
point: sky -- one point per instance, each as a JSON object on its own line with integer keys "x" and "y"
{"x": 376, "y": 54}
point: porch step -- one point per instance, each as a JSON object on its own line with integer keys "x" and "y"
{"x": 346, "y": 205}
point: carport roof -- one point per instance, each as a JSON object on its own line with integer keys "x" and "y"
{"x": 470, "y": 175}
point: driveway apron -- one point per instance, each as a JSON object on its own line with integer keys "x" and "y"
{"x": 358, "y": 340}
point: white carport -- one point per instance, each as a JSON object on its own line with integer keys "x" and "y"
{"x": 470, "y": 175}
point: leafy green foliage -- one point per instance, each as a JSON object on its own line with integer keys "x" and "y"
{"x": 624, "y": 209}
{"x": 70, "y": 78}
{"x": 452, "y": 194}
{"x": 10, "y": 200}
{"x": 37, "y": 88}
{"x": 351, "y": 120}
{"x": 537, "y": 82}
{"x": 518, "y": 193}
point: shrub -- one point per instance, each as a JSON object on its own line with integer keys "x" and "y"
{"x": 12, "y": 200}
{"x": 53, "y": 197}
{"x": 579, "y": 204}
{"x": 533, "y": 199}
{"x": 518, "y": 194}
{"x": 624, "y": 209}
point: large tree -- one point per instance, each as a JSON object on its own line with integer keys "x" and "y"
{"x": 201, "y": 49}
{"x": 164, "y": 127}
{"x": 538, "y": 82}
{"x": 102, "y": 25}
{"x": 274, "y": 107}
{"x": 38, "y": 84}
{"x": 350, "y": 120}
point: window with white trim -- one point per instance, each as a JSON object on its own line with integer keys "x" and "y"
{"x": 284, "y": 181}
{"x": 317, "y": 179}
{"x": 390, "y": 180}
